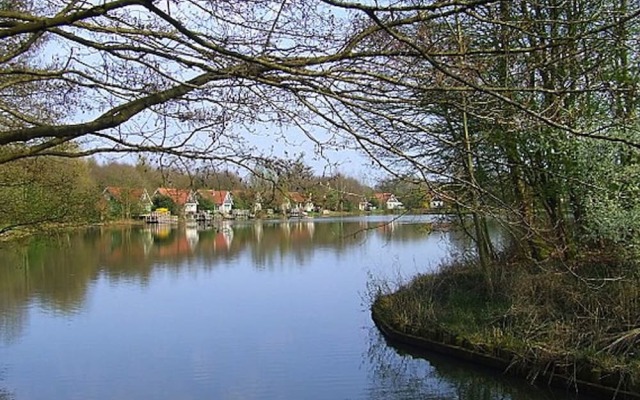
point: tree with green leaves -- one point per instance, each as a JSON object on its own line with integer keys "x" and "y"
{"x": 495, "y": 98}
{"x": 165, "y": 202}
{"x": 45, "y": 190}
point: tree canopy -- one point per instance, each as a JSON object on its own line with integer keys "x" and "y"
{"x": 526, "y": 110}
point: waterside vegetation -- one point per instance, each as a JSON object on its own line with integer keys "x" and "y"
{"x": 568, "y": 324}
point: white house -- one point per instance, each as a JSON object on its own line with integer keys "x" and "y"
{"x": 185, "y": 199}
{"x": 222, "y": 199}
{"x": 388, "y": 201}
{"x": 296, "y": 201}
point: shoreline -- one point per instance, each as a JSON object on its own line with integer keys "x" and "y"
{"x": 28, "y": 231}
{"x": 558, "y": 371}
{"x": 581, "y": 378}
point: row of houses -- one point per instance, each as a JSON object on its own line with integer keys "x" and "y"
{"x": 384, "y": 200}
{"x": 130, "y": 203}
{"x": 134, "y": 202}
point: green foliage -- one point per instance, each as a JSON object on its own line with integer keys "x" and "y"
{"x": 127, "y": 205}
{"x": 44, "y": 190}
{"x": 205, "y": 204}
{"x": 334, "y": 201}
{"x": 160, "y": 201}
{"x": 610, "y": 194}
{"x": 243, "y": 201}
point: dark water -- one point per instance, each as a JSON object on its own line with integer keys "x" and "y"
{"x": 250, "y": 311}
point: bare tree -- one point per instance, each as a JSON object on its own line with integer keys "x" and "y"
{"x": 182, "y": 78}
{"x": 195, "y": 78}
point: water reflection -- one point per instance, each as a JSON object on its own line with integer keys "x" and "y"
{"x": 407, "y": 373}
{"x": 55, "y": 273}
{"x": 6, "y": 395}
{"x": 247, "y": 310}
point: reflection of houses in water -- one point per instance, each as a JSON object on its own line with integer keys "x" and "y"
{"x": 181, "y": 242}
{"x": 258, "y": 231}
{"x": 301, "y": 230}
{"x": 387, "y": 227}
{"x": 172, "y": 242}
{"x": 192, "y": 235}
{"x": 298, "y": 229}
{"x": 179, "y": 246}
{"x": 286, "y": 228}
{"x": 160, "y": 231}
{"x": 224, "y": 237}
{"x": 147, "y": 241}
{"x": 185, "y": 242}
{"x": 311, "y": 227}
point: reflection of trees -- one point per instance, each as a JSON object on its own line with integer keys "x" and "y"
{"x": 13, "y": 295}
{"x": 12, "y": 324}
{"x": 268, "y": 242}
{"x": 406, "y": 373}
{"x": 6, "y": 395}
{"x": 55, "y": 272}
{"x": 51, "y": 272}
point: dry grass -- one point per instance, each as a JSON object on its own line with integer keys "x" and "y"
{"x": 584, "y": 316}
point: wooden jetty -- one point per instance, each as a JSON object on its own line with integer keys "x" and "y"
{"x": 160, "y": 217}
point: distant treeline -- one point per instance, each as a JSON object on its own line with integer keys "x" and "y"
{"x": 45, "y": 190}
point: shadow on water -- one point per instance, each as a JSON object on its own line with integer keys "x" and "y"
{"x": 405, "y": 372}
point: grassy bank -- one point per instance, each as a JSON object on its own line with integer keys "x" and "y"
{"x": 581, "y": 321}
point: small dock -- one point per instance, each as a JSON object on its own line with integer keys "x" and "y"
{"x": 156, "y": 217}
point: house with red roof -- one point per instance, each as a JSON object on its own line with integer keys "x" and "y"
{"x": 222, "y": 199}
{"x": 388, "y": 201}
{"x": 123, "y": 202}
{"x": 295, "y": 201}
{"x": 185, "y": 199}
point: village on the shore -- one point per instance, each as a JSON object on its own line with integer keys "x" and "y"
{"x": 171, "y": 205}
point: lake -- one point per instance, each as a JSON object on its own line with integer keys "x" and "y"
{"x": 248, "y": 310}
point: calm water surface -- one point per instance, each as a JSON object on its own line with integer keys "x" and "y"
{"x": 271, "y": 310}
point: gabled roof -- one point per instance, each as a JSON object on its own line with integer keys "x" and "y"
{"x": 216, "y": 196}
{"x": 296, "y": 197}
{"x": 120, "y": 193}
{"x": 383, "y": 197}
{"x": 178, "y": 196}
